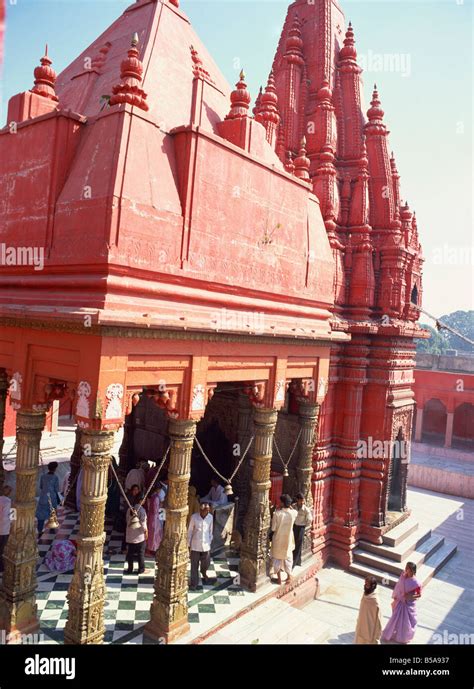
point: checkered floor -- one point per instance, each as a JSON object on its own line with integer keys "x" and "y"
{"x": 127, "y": 607}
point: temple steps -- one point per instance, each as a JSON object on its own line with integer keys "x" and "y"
{"x": 389, "y": 564}
{"x": 399, "y": 552}
{"x": 401, "y": 532}
{"x": 386, "y": 562}
{"x": 272, "y": 622}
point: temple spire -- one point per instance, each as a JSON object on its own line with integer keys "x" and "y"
{"x": 240, "y": 99}
{"x": 45, "y": 78}
{"x": 258, "y": 102}
{"x": 302, "y": 162}
{"x": 348, "y": 51}
{"x": 131, "y": 71}
{"x": 375, "y": 112}
{"x": 294, "y": 43}
{"x": 267, "y": 113}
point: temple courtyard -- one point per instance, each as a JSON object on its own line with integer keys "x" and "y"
{"x": 222, "y": 612}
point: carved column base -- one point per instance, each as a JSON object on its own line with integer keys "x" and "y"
{"x": 18, "y": 616}
{"x": 166, "y": 633}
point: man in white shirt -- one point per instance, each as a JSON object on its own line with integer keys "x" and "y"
{"x": 5, "y": 520}
{"x": 216, "y": 495}
{"x": 136, "y": 477}
{"x": 199, "y": 543}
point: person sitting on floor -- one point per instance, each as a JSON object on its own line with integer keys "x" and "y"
{"x": 61, "y": 557}
{"x": 216, "y": 496}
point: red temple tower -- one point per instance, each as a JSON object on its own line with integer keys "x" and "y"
{"x": 377, "y": 280}
{"x": 206, "y": 262}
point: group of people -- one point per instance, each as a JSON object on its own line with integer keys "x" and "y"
{"x": 288, "y": 527}
{"x": 402, "y": 624}
{"x": 144, "y": 529}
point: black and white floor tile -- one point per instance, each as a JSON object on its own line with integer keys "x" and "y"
{"x": 127, "y": 607}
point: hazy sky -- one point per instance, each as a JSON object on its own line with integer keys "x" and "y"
{"x": 427, "y": 101}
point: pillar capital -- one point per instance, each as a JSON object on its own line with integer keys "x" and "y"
{"x": 182, "y": 429}
{"x": 264, "y": 417}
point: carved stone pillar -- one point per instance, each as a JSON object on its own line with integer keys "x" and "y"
{"x": 75, "y": 469}
{"x": 18, "y": 611}
{"x": 3, "y": 404}
{"x": 242, "y": 479}
{"x": 169, "y": 610}
{"x": 254, "y": 550}
{"x": 86, "y": 595}
{"x": 308, "y": 417}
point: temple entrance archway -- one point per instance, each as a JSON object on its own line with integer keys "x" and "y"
{"x": 434, "y": 422}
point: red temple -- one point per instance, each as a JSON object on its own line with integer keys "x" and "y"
{"x": 173, "y": 254}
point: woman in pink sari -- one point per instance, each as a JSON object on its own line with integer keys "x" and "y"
{"x": 402, "y": 624}
{"x": 155, "y": 525}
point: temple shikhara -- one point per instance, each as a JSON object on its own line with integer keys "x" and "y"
{"x": 185, "y": 261}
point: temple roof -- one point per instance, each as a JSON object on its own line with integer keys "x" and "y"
{"x": 165, "y": 38}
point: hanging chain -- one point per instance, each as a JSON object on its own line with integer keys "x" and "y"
{"x": 69, "y": 489}
{"x": 142, "y": 502}
{"x": 13, "y": 447}
{"x": 227, "y": 480}
{"x": 286, "y": 464}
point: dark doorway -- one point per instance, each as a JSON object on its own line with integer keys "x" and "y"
{"x": 395, "y": 477}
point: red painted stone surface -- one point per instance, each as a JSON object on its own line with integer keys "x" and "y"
{"x": 169, "y": 202}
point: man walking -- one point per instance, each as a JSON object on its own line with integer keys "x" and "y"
{"x": 199, "y": 543}
{"x": 283, "y": 541}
